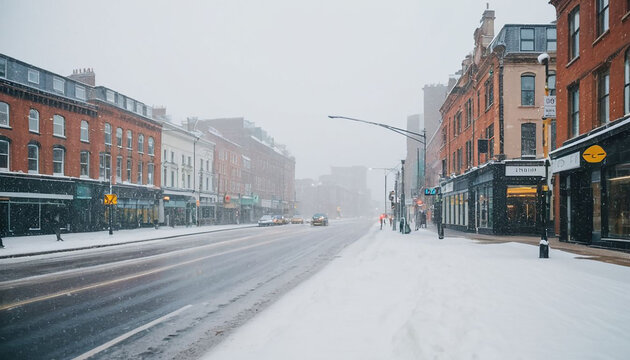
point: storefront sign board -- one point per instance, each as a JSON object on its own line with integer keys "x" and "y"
{"x": 522, "y": 170}
{"x": 567, "y": 162}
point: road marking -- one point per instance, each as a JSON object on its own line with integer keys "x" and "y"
{"x": 126, "y": 278}
{"x": 129, "y": 334}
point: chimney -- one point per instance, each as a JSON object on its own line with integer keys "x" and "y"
{"x": 487, "y": 26}
{"x": 85, "y": 76}
{"x": 159, "y": 112}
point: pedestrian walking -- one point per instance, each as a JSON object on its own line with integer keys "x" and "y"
{"x": 58, "y": 228}
{"x": 418, "y": 219}
{"x": 381, "y": 218}
{"x": 1, "y": 244}
{"x": 423, "y": 220}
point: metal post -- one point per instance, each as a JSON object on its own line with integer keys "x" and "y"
{"x": 111, "y": 208}
{"x": 543, "y": 250}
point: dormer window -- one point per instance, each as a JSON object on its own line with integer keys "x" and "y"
{"x": 130, "y": 104}
{"x": 33, "y": 76}
{"x": 109, "y": 96}
{"x": 59, "y": 85}
{"x": 527, "y": 39}
{"x": 80, "y": 92}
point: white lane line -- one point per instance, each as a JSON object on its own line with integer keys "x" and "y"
{"x": 129, "y": 334}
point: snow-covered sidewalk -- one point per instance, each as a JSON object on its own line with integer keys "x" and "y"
{"x": 42, "y": 244}
{"x": 394, "y": 296}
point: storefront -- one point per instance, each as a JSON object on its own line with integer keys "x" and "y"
{"x": 497, "y": 198}
{"x": 593, "y": 174}
{"x": 137, "y": 206}
{"x": 179, "y": 208}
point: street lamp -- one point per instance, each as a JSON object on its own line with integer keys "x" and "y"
{"x": 386, "y": 171}
{"x": 543, "y": 248}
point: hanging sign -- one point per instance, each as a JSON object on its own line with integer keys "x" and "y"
{"x": 550, "y": 107}
{"x": 111, "y": 199}
{"x": 594, "y": 154}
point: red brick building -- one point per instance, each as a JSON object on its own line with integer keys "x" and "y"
{"x": 593, "y": 103}
{"x": 55, "y": 162}
{"x": 491, "y": 149}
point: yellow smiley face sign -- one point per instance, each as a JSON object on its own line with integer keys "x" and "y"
{"x": 594, "y": 154}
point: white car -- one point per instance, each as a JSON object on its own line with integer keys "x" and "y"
{"x": 266, "y": 220}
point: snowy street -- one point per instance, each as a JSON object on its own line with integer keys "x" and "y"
{"x": 394, "y": 296}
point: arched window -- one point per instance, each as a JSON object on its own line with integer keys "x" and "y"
{"x": 108, "y": 134}
{"x": 59, "y": 155}
{"x": 4, "y": 114}
{"x": 33, "y": 159}
{"x": 129, "y": 140}
{"x": 59, "y": 126}
{"x": 151, "y": 146}
{"x": 528, "y": 83}
{"x": 85, "y": 131}
{"x": 33, "y": 121}
{"x": 119, "y": 133}
{"x": 141, "y": 143}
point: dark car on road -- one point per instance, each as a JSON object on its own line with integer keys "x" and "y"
{"x": 319, "y": 219}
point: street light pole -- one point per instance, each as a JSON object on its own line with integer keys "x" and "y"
{"x": 543, "y": 249}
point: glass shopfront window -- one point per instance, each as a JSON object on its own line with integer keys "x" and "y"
{"x": 597, "y": 204}
{"x": 484, "y": 206}
{"x": 618, "y": 193}
{"x": 521, "y": 206}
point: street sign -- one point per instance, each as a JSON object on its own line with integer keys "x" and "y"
{"x": 594, "y": 154}
{"x": 432, "y": 191}
{"x": 550, "y": 107}
{"x": 111, "y": 199}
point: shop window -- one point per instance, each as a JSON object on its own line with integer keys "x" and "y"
{"x": 596, "y": 192}
{"x": 521, "y": 206}
{"x": 33, "y": 159}
{"x": 618, "y": 199}
{"x": 33, "y": 121}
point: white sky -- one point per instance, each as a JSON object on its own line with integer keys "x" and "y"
{"x": 284, "y": 64}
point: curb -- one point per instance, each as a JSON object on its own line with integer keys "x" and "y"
{"x": 12, "y": 256}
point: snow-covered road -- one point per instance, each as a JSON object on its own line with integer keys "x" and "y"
{"x": 393, "y": 296}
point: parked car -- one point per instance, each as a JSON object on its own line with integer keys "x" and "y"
{"x": 319, "y": 219}
{"x": 266, "y": 220}
{"x": 278, "y": 220}
{"x": 297, "y": 220}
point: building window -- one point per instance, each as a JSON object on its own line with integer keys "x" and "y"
{"x": 3, "y": 68}
{"x": 130, "y": 104}
{"x": 119, "y": 162}
{"x": 33, "y": 159}
{"x": 172, "y": 157}
{"x": 140, "y": 172}
{"x": 109, "y": 96}
{"x": 141, "y": 143}
{"x": 490, "y": 137}
{"x": 603, "y": 105}
{"x": 183, "y": 160}
{"x": 459, "y": 160}
{"x": 574, "y": 111}
{"x": 129, "y": 164}
{"x": 4, "y": 155}
{"x": 129, "y": 140}
{"x": 105, "y": 170}
{"x": 489, "y": 87}
{"x": 119, "y": 133}
{"x": 58, "y": 161}
{"x": 85, "y": 163}
{"x": 33, "y": 121}
{"x": 626, "y": 88}
{"x": 85, "y": 131}
{"x": 528, "y": 140}
{"x": 602, "y": 16}
{"x": 4, "y": 114}
{"x": 189, "y": 163}
{"x": 150, "y": 146}
{"x": 552, "y": 41}
{"x": 527, "y": 39}
{"x": 150, "y": 169}
{"x": 33, "y": 76}
{"x": 190, "y": 187}
{"x": 108, "y": 134}
{"x": 59, "y": 85}
{"x": 79, "y": 92}
{"x": 551, "y": 83}
{"x": 172, "y": 178}
{"x": 528, "y": 84}
{"x": 469, "y": 112}
{"x": 59, "y": 126}
{"x": 574, "y": 33}
{"x": 164, "y": 177}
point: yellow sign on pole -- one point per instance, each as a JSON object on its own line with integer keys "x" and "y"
{"x": 594, "y": 154}
{"x": 111, "y": 199}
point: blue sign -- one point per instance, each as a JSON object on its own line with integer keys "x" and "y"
{"x": 432, "y": 191}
